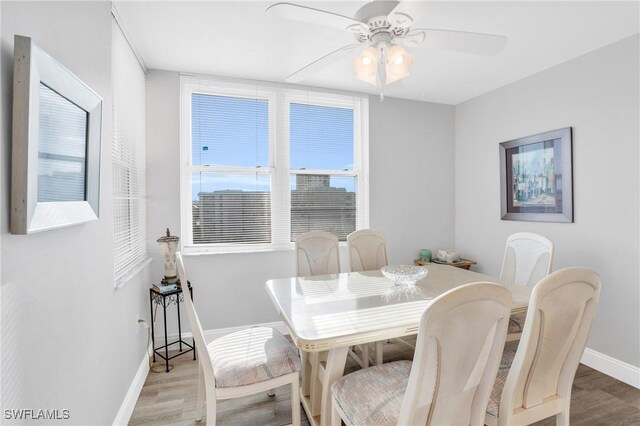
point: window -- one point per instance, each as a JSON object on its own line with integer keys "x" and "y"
{"x": 128, "y": 157}
{"x": 262, "y": 165}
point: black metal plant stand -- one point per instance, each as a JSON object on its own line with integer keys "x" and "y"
{"x": 166, "y": 299}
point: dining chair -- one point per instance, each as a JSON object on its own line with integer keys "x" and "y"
{"x": 255, "y": 360}
{"x": 535, "y": 381}
{"x": 460, "y": 341}
{"x": 317, "y": 253}
{"x": 367, "y": 252}
{"x": 527, "y": 260}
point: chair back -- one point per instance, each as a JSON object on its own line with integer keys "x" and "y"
{"x": 459, "y": 346}
{"x": 317, "y": 254}
{"x": 527, "y": 259}
{"x": 367, "y": 250}
{"x": 196, "y": 327}
{"x": 556, "y": 330}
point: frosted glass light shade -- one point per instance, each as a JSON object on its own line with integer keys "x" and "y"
{"x": 365, "y": 65}
{"x": 399, "y": 63}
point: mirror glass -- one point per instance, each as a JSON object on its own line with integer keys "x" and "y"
{"x": 62, "y": 148}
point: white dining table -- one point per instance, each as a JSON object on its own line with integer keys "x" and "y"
{"x": 325, "y": 315}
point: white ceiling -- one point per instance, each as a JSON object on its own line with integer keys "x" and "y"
{"x": 237, "y": 39}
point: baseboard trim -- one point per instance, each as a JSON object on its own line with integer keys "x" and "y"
{"x": 613, "y": 367}
{"x": 210, "y": 335}
{"x": 129, "y": 402}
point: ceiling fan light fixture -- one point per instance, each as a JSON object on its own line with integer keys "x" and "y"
{"x": 365, "y": 65}
{"x": 399, "y": 63}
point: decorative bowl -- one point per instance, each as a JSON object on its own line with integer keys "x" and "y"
{"x": 448, "y": 256}
{"x": 404, "y": 275}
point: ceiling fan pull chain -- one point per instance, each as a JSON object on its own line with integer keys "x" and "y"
{"x": 382, "y": 70}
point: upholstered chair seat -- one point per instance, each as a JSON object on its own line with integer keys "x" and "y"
{"x": 503, "y": 371}
{"x": 516, "y": 323}
{"x": 373, "y": 396}
{"x": 251, "y": 356}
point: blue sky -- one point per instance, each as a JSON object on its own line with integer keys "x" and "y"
{"x": 229, "y": 131}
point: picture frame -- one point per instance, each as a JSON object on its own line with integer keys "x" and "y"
{"x": 57, "y": 125}
{"x": 536, "y": 177}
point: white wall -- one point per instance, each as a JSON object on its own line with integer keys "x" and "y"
{"x": 597, "y": 95}
{"x": 412, "y": 175}
{"x": 411, "y": 144}
{"x": 69, "y": 338}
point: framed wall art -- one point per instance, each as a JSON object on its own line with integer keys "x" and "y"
{"x": 57, "y": 119}
{"x": 536, "y": 182}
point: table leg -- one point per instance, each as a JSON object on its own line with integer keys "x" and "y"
{"x": 317, "y": 373}
{"x": 166, "y": 339}
{"x": 305, "y": 388}
{"x": 179, "y": 326}
{"x": 334, "y": 369}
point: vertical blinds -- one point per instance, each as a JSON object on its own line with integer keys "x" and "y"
{"x": 128, "y": 156}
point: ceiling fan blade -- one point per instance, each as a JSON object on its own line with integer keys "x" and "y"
{"x": 321, "y": 63}
{"x": 404, "y": 13}
{"x": 412, "y": 38}
{"x": 462, "y": 41}
{"x": 295, "y": 12}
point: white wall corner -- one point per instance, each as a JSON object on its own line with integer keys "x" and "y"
{"x": 130, "y": 399}
{"x": 613, "y": 367}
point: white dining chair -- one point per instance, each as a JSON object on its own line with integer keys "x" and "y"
{"x": 255, "y": 360}
{"x": 460, "y": 341}
{"x": 535, "y": 382}
{"x": 367, "y": 252}
{"x": 317, "y": 253}
{"x": 527, "y": 260}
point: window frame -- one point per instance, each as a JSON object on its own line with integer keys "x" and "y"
{"x": 279, "y": 97}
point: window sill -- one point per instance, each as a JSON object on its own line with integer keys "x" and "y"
{"x": 234, "y": 249}
{"x": 132, "y": 272}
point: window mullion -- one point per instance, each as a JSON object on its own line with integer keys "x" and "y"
{"x": 230, "y": 170}
{"x": 323, "y": 172}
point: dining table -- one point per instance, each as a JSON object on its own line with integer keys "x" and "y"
{"x": 325, "y": 315}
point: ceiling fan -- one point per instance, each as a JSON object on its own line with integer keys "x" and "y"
{"x": 382, "y": 29}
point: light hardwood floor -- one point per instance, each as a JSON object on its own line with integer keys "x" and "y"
{"x": 170, "y": 399}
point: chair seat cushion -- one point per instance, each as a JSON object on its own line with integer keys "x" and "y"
{"x": 251, "y": 356}
{"x": 373, "y": 396}
{"x": 505, "y": 365}
{"x": 516, "y": 323}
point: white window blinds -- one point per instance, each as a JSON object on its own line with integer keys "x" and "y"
{"x": 263, "y": 164}
{"x": 128, "y": 156}
{"x": 230, "y": 179}
{"x": 323, "y": 181}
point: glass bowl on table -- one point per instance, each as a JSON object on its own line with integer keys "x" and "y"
{"x": 404, "y": 275}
